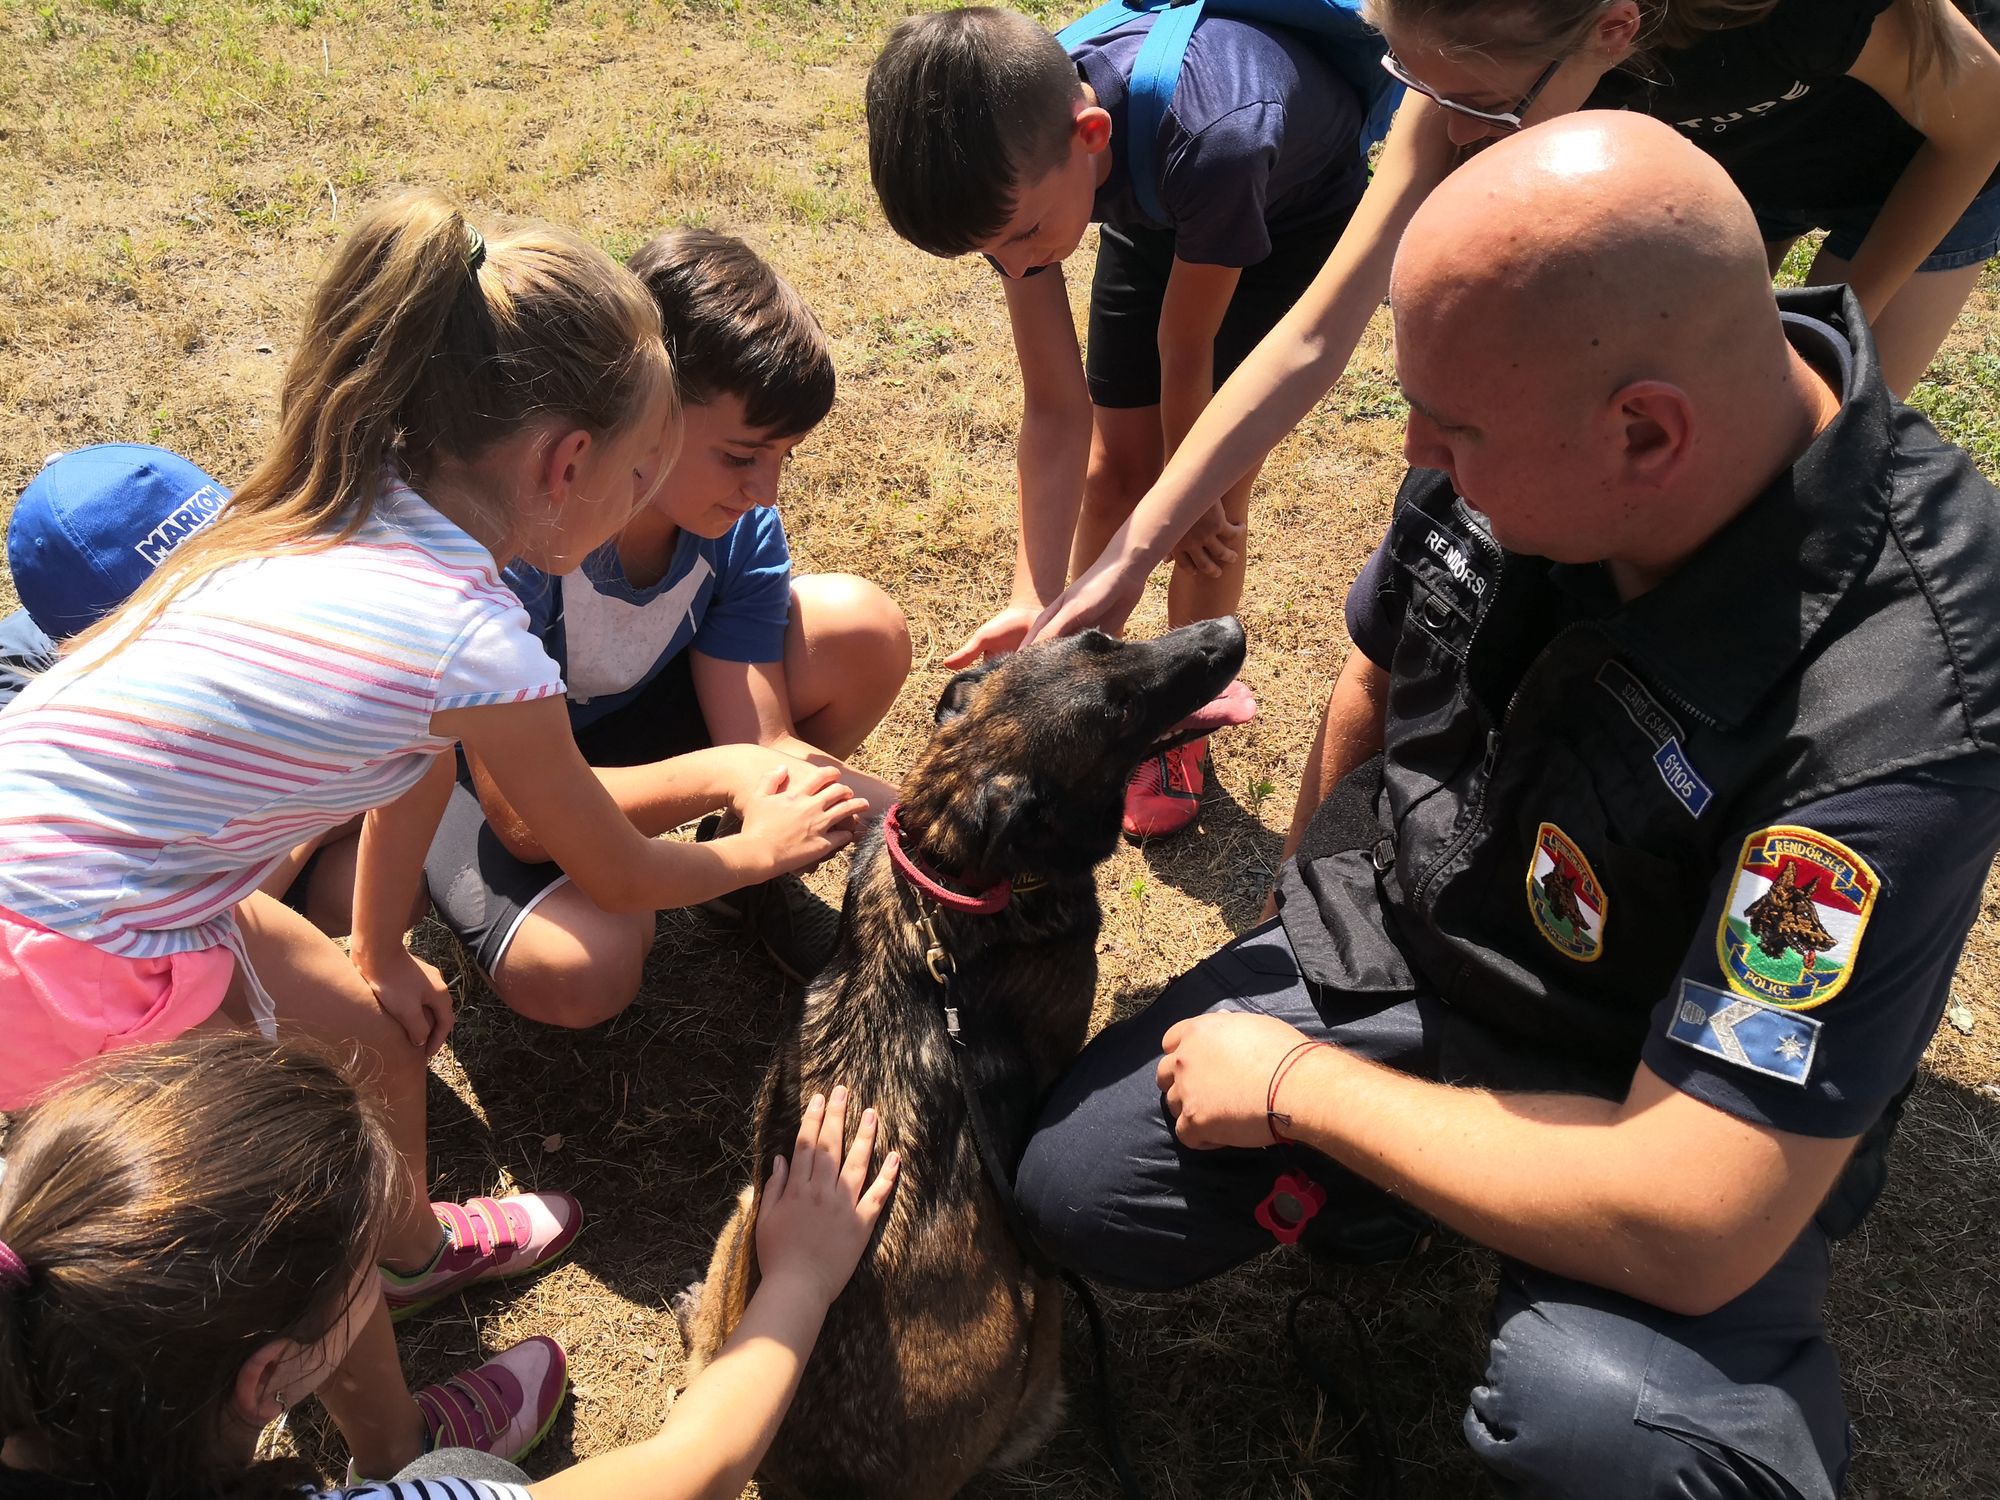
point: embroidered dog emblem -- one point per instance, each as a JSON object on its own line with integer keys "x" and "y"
{"x": 1796, "y": 911}
{"x": 1564, "y": 895}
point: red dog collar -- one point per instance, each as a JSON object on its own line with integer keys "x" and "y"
{"x": 987, "y": 903}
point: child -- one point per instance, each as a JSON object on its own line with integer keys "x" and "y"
{"x": 308, "y": 657}
{"x": 210, "y": 1208}
{"x": 984, "y": 135}
{"x": 89, "y": 529}
{"x": 685, "y": 630}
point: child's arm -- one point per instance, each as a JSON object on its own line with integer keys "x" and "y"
{"x": 798, "y": 816}
{"x": 1191, "y": 314}
{"x": 1271, "y": 391}
{"x": 748, "y": 703}
{"x": 388, "y": 871}
{"x": 1961, "y": 126}
{"x": 812, "y": 1226}
{"x": 1050, "y": 457}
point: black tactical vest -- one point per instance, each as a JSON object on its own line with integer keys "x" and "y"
{"x": 1841, "y": 630}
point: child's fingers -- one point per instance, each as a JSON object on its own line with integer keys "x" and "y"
{"x": 809, "y": 1123}
{"x": 774, "y": 780}
{"x": 869, "y": 1206}
{"x": 818, "y": 779}
{"x": 775, "y": 1188}
{"x": 826, "y": 1150}
{"x": 854, "y": 1174}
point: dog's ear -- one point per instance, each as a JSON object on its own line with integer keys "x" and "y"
{"x": 1007, "y": 815}
{"x": 957, "y": 695}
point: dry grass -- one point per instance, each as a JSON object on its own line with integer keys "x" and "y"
{"x": 172, "y": 172}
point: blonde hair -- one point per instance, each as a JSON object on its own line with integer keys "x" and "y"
{"x": 1547, "y": 29}
{"x": 426, "y": 343}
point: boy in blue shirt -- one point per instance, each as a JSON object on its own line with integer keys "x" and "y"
{"x": 984, "y": 135}
{"x": 690, "y": 652}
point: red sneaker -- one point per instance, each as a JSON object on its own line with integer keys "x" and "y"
{"x": 1164, "y": 794}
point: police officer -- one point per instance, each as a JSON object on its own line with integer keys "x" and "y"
{"x": 1646, "y": 824}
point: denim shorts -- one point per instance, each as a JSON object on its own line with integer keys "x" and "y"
{"x": 1972, "y": 241}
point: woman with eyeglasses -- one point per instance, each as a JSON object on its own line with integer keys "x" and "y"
{"x": 1876, "y": 120}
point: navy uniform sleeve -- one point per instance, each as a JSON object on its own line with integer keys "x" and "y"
{"x": 1826, "y": 953}
{"x": 1373, "y": 621}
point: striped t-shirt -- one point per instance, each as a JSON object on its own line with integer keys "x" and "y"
{"x": 142, "y": 796}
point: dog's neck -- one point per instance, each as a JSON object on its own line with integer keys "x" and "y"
{"x": 911, "y": 867}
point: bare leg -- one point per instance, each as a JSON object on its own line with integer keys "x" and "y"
{"x": 847, "y": 655}
{"x": 1193, "y": 595}
{"x": 371, "y": 1404}
{"x": 1915, "y": 322}
{"x": 571, "y": 963}
{"x": 1126, "y": 455}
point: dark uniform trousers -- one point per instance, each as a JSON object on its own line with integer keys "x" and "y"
{"x": 1586, "y": 1393}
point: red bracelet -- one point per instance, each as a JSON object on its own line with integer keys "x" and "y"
{"x": 1272, "y": 1117}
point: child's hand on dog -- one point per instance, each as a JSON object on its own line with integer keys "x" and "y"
{"x": 818, "y": 1211}
{"x": 800, "y": 814}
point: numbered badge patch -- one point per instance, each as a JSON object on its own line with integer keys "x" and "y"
{"x": 1564, "y": 896}
{"x": 1796, "y": 911}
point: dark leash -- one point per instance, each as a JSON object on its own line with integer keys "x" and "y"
{"x": 932, "y": 893}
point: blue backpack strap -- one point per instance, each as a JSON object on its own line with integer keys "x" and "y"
{"x": 1108, "y": 16}
{"x": 1155, "y": 71}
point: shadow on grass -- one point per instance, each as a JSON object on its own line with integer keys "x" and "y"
{"x": 1227, "y": 861}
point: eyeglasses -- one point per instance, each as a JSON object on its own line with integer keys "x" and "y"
{"x": 1506, "y": 119}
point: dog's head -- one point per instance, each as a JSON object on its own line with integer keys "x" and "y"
{"x": 1027, "y": 770}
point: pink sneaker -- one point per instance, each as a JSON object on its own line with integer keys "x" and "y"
{"x": 486, "y": 1239}
{"x": 505, "y": 1406}
{"x": 1164, "y": 794}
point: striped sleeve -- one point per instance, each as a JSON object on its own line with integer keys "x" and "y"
{"x": 432, "y": 1489}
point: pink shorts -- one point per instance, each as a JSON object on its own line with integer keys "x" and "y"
{"x": 63, "y": 1002}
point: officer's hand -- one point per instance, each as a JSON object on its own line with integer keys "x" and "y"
{"x": 1216, "y": 1075}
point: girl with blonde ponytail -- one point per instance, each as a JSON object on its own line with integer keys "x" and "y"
{"x": 311, "y": 657}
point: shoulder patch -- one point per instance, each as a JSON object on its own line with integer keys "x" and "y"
{"x": 1564, "y": 896}
{"x": 1797, "y": 907}
{"x": 1763, "y": 1038}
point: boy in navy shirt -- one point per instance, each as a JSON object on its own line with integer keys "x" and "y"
{"x": 985, "y": 136}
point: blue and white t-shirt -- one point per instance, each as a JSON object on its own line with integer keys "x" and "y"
{"x": 729, "y": 597}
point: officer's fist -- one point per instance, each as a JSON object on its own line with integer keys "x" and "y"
{"x": 1217, "y": 1073}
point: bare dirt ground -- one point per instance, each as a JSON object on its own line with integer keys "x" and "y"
{"x": 172, "y": 174}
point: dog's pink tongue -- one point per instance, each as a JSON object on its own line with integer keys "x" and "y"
{"x": 1233, "y": 705}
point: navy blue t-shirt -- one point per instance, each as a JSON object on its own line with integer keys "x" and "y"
{"x": 1259, "y": 140}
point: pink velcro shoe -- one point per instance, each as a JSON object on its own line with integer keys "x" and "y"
{"x": 505, "y": 1406}
{"x": 486, "y": 1239}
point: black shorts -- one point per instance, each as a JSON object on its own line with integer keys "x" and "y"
{"x": 482, "y": 892}
{"x": 1121, "y": 361}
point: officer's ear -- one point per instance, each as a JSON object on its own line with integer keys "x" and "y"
{"x": 1655, "y": 424}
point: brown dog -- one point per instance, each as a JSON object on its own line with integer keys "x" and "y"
{"x": 941, "y": 1357}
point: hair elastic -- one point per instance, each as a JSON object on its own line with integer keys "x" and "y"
{"x": 13, "y": 1270}
{"x": 475, "y": 249}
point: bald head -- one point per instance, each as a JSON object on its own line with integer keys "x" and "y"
{"x": 1602, "y": 237}
{"x": 1587, "y": 335}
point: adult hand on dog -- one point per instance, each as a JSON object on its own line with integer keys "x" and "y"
{"x": 818, "y": 1211}
{"x": 999, "y": 635}
{"x": 1211, "y": 543}
{"x": 801, "y": 814}
{"x": 1217, "y": 1073}
{"x": 1102, "y": 597}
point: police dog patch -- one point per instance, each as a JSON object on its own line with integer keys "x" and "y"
{"x": 1564, "y": 896}
{"x": 1795, "y": 915}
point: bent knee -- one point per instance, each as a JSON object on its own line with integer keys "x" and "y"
{"x": 858, "y": 613}
{"x": 1567, "y": 1417}
{"x": 575, "y": 984}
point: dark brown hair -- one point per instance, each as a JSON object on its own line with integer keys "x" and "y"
{"x": 178, "y": 1208}
{"x": 1547, "y": 29}
{"x": 425, "y": 342}
{"x": 735, "y": 326}
{"x": 964, "y": 107}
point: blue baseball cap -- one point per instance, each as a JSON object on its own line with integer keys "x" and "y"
{"x": 92, "y": 526}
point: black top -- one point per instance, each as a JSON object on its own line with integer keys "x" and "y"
{"x": 1736, "y": 828}
{"x": 1772, "y": 103}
